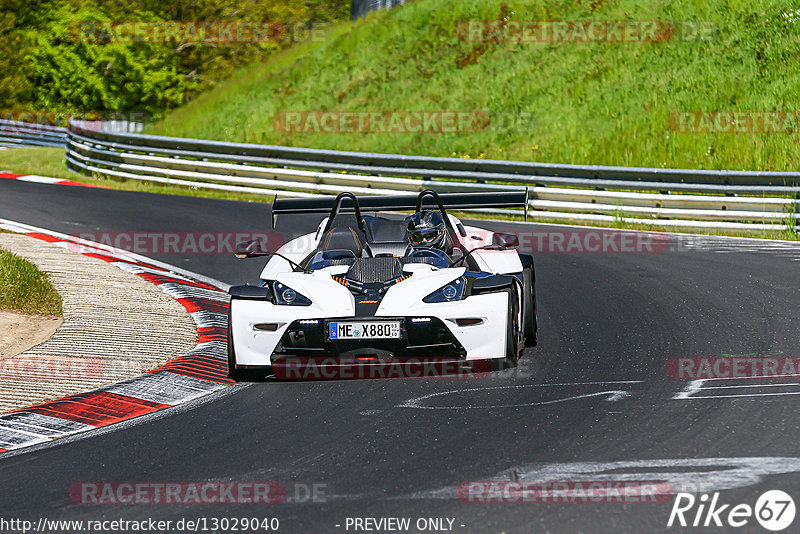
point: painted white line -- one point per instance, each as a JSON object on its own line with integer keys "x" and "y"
{"x": 744, "y": 395}
{"x": 211, "y": 349}
{"x": 182, "y": 291}
{"x": 698, "y": 386}
{"x": 205, "y": 319}
{"x": 164, "y": 388}
{"x": 40, "y": 179}
{"x": 141, "y": 269}
{"x": 13, "y": 439}
{"x": 690, "y": 475}
{"x": 22, "y": 432}
{"x": 613, "y": 395}
{"x": 742, "y": 386}
{"x": 42, "y": 424}
{"x": 754, "y": 377}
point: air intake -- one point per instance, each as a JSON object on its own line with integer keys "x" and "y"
{"x": 371, "y": 270}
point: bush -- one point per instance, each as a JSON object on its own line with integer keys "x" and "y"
{"x": 49, "y": 64}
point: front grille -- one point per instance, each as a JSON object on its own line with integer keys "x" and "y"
{"x": 372, "y": 270}
{"x": 421, "y": 339}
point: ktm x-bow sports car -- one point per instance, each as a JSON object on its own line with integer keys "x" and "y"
{"x": 367, "y": 288}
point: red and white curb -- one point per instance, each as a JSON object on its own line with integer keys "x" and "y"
{"x": 200, "y": 372}
{"x": 44, "y": 180}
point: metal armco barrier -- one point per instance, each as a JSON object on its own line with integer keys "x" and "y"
{"x": 740, "y": 200}
{"x": 362, "y": 7}
{"x": 13, "y": 134}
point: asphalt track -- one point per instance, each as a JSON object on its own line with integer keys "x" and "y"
{"x": 592, "y": 401}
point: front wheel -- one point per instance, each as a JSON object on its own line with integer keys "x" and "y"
{"x": 233, "y": 373}
{"x": 239, "y": 375}
{"x": 513, "y": 347}
{"x": 529, "y": 306}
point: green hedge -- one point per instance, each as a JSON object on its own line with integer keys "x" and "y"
{"x": 50, "y": 64}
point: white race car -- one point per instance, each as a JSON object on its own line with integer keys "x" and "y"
{"x": 368, "y": 289}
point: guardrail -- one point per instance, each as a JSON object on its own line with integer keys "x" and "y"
{"x": 739, "y": 200}
{"x": 13, "y": 134}
{"x": 362, "y": 7}
{"x": 19, "y": 134}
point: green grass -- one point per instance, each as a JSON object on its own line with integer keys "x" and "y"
{"x": 25, "y": 289}
{"x": 50, "y": 162}
{"x": 588, "y": 103}
{"x": 41, "y": 161}
{"x": 791, "y": 230}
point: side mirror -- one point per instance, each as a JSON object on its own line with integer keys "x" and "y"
{"x": 250, "y": 249}
{"x": 505, "y": 241}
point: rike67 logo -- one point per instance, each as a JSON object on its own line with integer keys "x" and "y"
{"x": 774, "y": 510}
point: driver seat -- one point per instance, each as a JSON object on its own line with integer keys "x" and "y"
{"x": 344, "y": 234}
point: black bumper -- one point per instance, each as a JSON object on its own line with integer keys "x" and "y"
{"x": 421, "y": 339}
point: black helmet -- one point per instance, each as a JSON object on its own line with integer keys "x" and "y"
{"x": 427, "y": 229}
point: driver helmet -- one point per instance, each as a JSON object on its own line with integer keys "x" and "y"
{"x": 427, "y": 229}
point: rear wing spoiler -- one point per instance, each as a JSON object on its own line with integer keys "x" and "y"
{"x": 504, "y": 199}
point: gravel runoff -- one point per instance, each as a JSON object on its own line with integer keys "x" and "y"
{"x": 116, "y": 325}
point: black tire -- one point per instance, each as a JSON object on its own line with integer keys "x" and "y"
{"x": 513, "y": 347}
{"x": 529, "y": 306}
{"x": 239, "y": 375}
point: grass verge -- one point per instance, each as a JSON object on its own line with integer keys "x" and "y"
{"x": 560, "y": 100}
{"x": 25, "y": 289}
{"x": 50, "y": 162}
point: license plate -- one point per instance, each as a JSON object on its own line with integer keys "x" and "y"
{"x": 364, "y": 330}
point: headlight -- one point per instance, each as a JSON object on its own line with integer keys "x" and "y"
{"x": 449, "y": 293}
{"x": 287, "y": 296}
